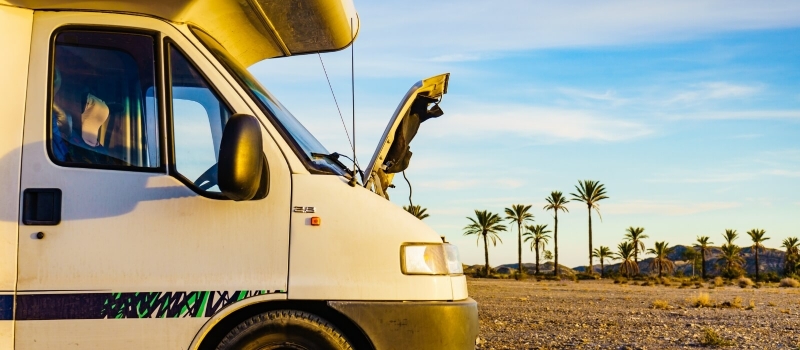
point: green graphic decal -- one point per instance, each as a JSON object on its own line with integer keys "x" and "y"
{"x": 171, "y": 304}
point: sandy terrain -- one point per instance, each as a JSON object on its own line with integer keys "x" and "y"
{"x": 603, "y": 315}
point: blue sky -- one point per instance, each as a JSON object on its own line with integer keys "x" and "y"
{"x": 688, "y": 112}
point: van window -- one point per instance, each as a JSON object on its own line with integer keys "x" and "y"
{"x": 198, "y": 119}
{"x": 103, "y": 109}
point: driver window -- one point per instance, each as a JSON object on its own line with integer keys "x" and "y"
{"x": 198, "y": 119}
{"x": 103, "y": 109}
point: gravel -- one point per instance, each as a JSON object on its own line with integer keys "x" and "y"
{"x": 603, "y": 315}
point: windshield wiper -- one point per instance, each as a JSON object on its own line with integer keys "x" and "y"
{"x": 334, "y": 157}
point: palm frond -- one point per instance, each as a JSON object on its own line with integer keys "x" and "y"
{"x": 556, "y": 202}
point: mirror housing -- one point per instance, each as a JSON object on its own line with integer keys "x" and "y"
{"x": 241, "y": 158}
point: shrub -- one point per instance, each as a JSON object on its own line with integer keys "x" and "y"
{"x": 620, "y": 280}
{"x": 744, "y": 282}
{"x": 647, "y": 284}
{"x": 771, "y": 276}
{"x": 698, "y": 284}
{"x": 586, "y": 276}
{"x": 790, "y": 283}
{"x": 709, "y": 337}
{"x": 686, "y": 284}
{"x": 719, "y": 282}
{"x": 736, "y": 303}
{"x": 660, "y": 304}
{"x": 751, "y": 305}
{"x": 701, "y": 300}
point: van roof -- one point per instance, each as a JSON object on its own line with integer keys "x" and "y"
{"x": 252, "y": 30}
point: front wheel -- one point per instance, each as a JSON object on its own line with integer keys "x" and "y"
{"x": 285, "y": 329}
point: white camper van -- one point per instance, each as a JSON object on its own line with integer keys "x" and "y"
{"x": 153, "y": 195}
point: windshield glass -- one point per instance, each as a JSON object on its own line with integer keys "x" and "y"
{"x": 295, "y": 133}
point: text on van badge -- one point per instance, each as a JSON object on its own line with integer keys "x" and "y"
{"x": 307, "y": 210}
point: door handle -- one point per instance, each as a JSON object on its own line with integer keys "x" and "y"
{"x": 41, "y": 206}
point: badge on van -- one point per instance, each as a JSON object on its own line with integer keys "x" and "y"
{"x": 307, "y": 210}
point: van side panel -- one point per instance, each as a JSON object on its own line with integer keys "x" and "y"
{"x": 15, "y": 36}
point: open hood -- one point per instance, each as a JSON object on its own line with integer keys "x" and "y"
{"x": 393, "y": 153}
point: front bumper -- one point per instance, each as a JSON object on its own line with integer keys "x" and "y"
{"x": 418, "y": 325}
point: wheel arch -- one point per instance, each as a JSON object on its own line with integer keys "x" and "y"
{"x": 223, "y": 322}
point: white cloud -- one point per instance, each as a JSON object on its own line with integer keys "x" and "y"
{"x": 509, "y": 183}
{"x": 665, "y": 208}
{"x": 721, "y": 177}
{"x": 542, "y": 124}
{"x": 450, "y": 184}
{"x": 747, "y": 136}
{"x": 714, "y": 91}
{"x": 608, "y": 96}
{"x": 705, "y": 178}
{"x": 503, "y": 184}
{"x": 783, "y": 172}
{"x": 459, "y": 57}
{"x": 739, "y": 115}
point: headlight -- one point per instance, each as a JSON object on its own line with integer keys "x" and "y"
{"x": 453, "y": 262}
{"x": 430, "y": 259}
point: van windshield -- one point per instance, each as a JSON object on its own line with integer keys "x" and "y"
{"x": 293, "y": 131}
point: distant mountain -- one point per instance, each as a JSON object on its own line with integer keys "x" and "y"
{"x": 530, "y": 268}
{"x": 769, "y": 259}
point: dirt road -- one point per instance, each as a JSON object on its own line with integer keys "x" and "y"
{"x": 603, "y": 315}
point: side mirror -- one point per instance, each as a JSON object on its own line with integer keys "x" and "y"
{"x": 241, "y": 158}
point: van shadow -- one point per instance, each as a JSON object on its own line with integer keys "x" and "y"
{"x": 86, "y": 193}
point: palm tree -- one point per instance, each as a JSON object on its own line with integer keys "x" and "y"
{"x": 602, "y": 253}
{"x": 661, "y": 262}
{"x": 731, "y": 257}
{"x": 487, "y": 226}
{"x": 757, "y": 236}
{"x": 538, "y": 235}
{"x": 518, "y": 214}
{"x": 590, "y": 192}
{"x": 704, "y": 248}
{"x": 730, "y": 236}
{"x": 635, "y": 236}
{"x": 625, "y": 253}
{"x": 556, "y": 202}
{"x": 792, "y": 245}
{"x": 690, "y": 255}
{"x": 417, "y": 211}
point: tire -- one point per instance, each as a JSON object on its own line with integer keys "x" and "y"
{"x": 285, "y": 329}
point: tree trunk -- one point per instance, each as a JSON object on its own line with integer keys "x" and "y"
{"x": 703, "y": 267}
{"x": 602, "y": 269}
{"x": 590, "y": 241}
{"x": 537, "y": 258}
{"x": 519, "y": 251}
{"x": 636, "y": 252}
{"x": 756, "y": 263}
{"x": 555, "y": 239}
{"x": 486, "y": 255}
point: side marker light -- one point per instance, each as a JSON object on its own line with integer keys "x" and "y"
{"x": 316, "y": 221}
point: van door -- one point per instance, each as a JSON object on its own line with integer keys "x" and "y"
{"x": 15, "y": 33}
{"x": 122, "y": 131}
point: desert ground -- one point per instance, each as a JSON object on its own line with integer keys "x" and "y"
{"x": 600, "y": 314}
